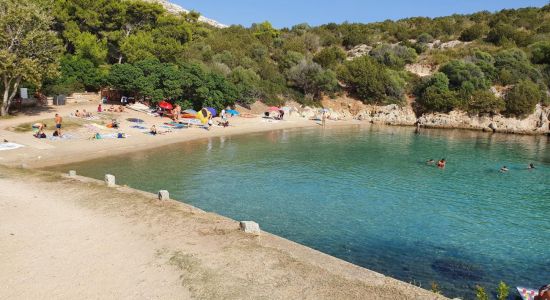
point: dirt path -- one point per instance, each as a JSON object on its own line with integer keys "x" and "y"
{"x": 62, "y": 238}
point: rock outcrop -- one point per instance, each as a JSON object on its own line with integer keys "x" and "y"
{"x": 348, "y": 109}
{"x": 176, "y": 9}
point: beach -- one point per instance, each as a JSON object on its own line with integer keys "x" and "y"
{"x": 65, "y": 238}
{"x": 74, "y": 237}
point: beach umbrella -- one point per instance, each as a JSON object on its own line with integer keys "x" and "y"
{"x": 212, "y": 111}
{"x": 165, "y": 105}
{"x": 190, "y": 111}
{"x": 273, "y": 108}
{"x": 233, "y": 112}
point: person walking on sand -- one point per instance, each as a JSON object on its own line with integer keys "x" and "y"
{"x": 324, "y": 118}
{"x": 58, "y": 121}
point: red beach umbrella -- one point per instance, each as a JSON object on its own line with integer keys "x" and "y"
{"x": 273, "y": 108}
{"x": 165, "y": 105}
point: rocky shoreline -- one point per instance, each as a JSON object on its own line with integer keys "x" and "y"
{"x": 538, "y": 123}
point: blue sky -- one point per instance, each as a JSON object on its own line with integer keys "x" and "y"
{"x": 285, "y": 13}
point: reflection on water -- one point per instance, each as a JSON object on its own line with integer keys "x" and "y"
{"x": 365, "y": 194}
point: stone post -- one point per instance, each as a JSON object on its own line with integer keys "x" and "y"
{"x": 110, "y": 180}
{"x": 164, "y": 195}
{"x": 72, "y": 173}
{"x": 250, "y": 227}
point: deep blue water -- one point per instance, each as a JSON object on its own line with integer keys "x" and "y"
{"x": 364, "y": 194}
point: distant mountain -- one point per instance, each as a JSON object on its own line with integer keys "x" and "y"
{"x": 174, "y": 8}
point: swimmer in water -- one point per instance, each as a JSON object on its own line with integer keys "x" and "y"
{"x": 430, "y": 162}
{"x": 504, "y": 169}
{"x": 531, "y": 166}
{"x": 442, "y": 163}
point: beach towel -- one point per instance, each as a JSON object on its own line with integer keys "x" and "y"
{"x": 527, "y": 293}
{"x": 9, "y": 146}
{"x": 138, "y": 127}
{"x": 64, "y": 137}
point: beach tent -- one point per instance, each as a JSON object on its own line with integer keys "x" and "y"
{"x": 212, "y": 111}
{"x": 233, "y": 112}
{"x": 204, "y": 115}
{"x": 165, "y": 105}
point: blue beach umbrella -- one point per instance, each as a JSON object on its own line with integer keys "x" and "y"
{"x": 233, "y": 112}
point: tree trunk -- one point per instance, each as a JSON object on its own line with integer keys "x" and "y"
{"x": 5, "y": 104}
{"x": 7, "y": 97}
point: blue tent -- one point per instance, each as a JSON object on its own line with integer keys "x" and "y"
{"x": 232, "y": 112}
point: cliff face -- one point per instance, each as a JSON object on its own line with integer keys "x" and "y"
{"x": 346, "y": 108}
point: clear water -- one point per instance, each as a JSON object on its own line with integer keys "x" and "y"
{"x": 364, "y": 194}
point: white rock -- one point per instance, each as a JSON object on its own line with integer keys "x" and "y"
{"x": 164, "y": 195}
{"x": 250, "y": 227}
{"x": 72, "y": 173}
{"x": 110, "y": 180}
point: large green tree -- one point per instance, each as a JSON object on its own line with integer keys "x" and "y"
{"x": 29, "y": 50}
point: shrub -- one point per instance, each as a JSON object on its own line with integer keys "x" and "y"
{"x": 330, "y": 57}
{"x": 472, "y": 33}
{"x": 393, "y": 56}
{"x": 369, "y": 81}
{"x": 460, "y": 73}
{"x": 484, "y": 101}
{"x": 522, "y": 98}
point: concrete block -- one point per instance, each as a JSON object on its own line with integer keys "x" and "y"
{"x": 110, "y": 180}
{"x": 72, "y": 173}
{"x": 164, "y": 195}
{"x": 250, "y": 227}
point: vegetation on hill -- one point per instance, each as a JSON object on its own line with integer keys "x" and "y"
{"x": 141, "y": 49}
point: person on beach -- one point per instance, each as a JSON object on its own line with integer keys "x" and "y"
{"x": 99, "y": 108}
{"x": 223, "y": 115}
{"x": 153, "y": 130}
{"x": 442, "y": 163}
{"x": 504, "y": 169}
{"x": 430, "y": 162}
{"x": 40, "y": 134}
{"x": 324, "y": 118}
{"x": 58, "y": 120}
{"x": 544, "y": 293}
{"x": 531, "y": 166}
{"x": 39, "y": 126}
{"x": 77, "y": 114}
{"x": 56, "y": 133}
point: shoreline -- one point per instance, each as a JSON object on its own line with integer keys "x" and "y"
{"x": 187, "y": 240}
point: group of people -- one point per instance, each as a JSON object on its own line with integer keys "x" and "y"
{"x": 83, "y": 114}
{"x": 505, "y": 169}
{"x": 442, "y": 163}
{"x": 39, "y": 128}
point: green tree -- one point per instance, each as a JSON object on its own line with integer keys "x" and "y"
{"x": 433, "y": 94}
{"x": 513, "y": 65}
{"x": 247, "y": 83}
{"x": 125, "y": 77}
{"x": 29, "y": 50}
{"x": 87, "y": 46}
{"x": 310, "y": 78}
{"x": 522, "y": 98}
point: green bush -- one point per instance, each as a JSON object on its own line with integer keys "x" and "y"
{"x": 472, "y": 33}
{"x": 330, "y": 57}
{"x": 394, "y": 56}
{"x": 483, "y": 102}
{"x": 370, "y": 81}
{"x": 461, "y": 73}
{"x": 522, "y": 98}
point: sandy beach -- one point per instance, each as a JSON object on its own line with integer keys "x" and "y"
{"x": 65, "y": 238}
{"x": 39, "y": 153}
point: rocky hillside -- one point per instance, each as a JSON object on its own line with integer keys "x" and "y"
{"x": 176, "y": 9}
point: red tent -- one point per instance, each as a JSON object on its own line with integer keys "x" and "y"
{"x": 165, "y": 105}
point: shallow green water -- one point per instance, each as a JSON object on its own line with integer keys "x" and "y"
{"x": 364, "y": 194}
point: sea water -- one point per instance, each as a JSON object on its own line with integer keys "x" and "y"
{"x": 365, "y": 194}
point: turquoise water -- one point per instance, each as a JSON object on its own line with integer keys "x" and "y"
{"x": 364, "y": 194}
